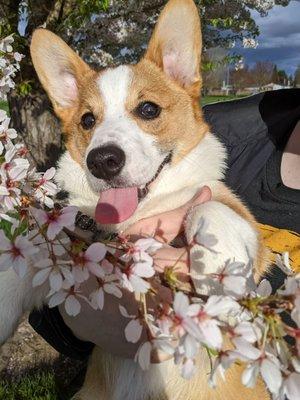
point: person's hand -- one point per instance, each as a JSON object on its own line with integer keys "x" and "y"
{"x": 165, "y": 228}
{"x": 106, "y": 328}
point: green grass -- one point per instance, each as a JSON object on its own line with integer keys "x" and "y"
{"x": 39, "y": 386}
{"x": 215, "y": 99}
{"x": 4, "y": 105}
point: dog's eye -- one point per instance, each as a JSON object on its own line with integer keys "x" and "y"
{"x": 148, "y": 110}
{"x": 88, "y": 120}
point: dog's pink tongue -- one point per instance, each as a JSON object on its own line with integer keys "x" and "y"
{"x": 116, "y": 205}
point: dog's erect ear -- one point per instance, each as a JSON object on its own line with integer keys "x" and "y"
{"x": 58, "y": 67}
{"x": 176, "y": 44}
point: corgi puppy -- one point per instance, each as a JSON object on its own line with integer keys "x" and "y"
{"x": 137, "y": 145}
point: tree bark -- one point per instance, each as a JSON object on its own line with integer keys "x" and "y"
{"x": 31, "y": 114}
{"x": 34, "y": 120}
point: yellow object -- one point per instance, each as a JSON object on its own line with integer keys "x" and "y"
{"x": 280, "y": 241}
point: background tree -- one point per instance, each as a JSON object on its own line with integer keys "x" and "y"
{"x": 262, "y": 73}
{"x": 282, "y": 78}
{"x": 242, "y": 78}
{"x": 104, "y": 32}
{"x": 274, "y": 78}
{"x": 297, "y": 77}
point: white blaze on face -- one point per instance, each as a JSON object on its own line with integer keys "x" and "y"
{"x": 114, "y": 87}
{"x": 143, "y": 156}
{"x": 118, "y": 198}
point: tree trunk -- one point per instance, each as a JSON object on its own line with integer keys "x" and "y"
{"x": 34, "y": 120}
{"x": 31, "y": 114}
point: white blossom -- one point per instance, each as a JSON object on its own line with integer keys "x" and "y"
{"x": 15, "y": 254}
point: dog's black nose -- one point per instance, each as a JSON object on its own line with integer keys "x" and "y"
{"x": 106, "y": 162}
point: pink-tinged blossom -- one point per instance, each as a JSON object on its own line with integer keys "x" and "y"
{"x": 185, "y": 356}
{"x": 18, "y": 170}
{"x": 132, "y": 277}
{"x": 182, "y": 320}
{"x": 97, "y": 296}
{"x": 141, "y": 251}
{"x": 57, "y": 274}
{"x": 13, "y": 169}
{"x": 9, "y": 196}
{"x": 224, "y": 360}
{"x": 11, "y": 172}
{"x": 15, "y": 254}
{"x": 206, "y": 318}
{"x": 45, "y": 188}
{"x": 233, "y": 279}
{"x": 134, "y": 328}
{"x": 6, "y": 133}
{"x": 69, "y": 298}
{"x": 245, "y": 331}
{"x": 56, "y": 220}
{"x": 268, "y": 366}
{"x": 87, "y": 262}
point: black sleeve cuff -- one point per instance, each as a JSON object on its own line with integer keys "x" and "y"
{"x": 48, "y": 323}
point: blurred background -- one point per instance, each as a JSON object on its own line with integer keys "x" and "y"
{"x": 249, "y": 46}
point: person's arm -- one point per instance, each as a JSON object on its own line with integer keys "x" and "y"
{"x": 106, "y": 328}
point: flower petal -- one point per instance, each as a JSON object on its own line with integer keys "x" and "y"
{"x": 133, "y": 331}
{"x": 250, "y": 375}
{"x": 144, "y": 269}
{"x": 143, "y": 355}
{"x": 124, "y": 312}
{"x": 57, "y": 299}
{"x": 271, "y": 375}
{"x": 56, "y": 281}
{"x": 181, "y": 304}
{"x": 292, "y": 386}
{"x": 41, "y": 277}
{"x": 188, "y": 369}
{"x": 72, "y": 306}
{"x": 96, "y": 252}
{"x": 110, "y": 288}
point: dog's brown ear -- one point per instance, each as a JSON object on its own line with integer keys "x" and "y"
{"x": 59, "y": 68}
{"x": 176, "y": 44}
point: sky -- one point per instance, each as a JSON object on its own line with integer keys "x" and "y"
{"x": 279, "y": 39}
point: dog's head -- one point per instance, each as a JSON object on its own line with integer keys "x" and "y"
{"x": 124, "y": 125}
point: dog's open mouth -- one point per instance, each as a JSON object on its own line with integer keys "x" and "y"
{"x": 116, "y": 205}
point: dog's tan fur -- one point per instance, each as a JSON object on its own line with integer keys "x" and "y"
{"x": 181, "y": 122}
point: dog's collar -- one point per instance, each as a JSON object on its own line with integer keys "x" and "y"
{"x": 88, "y": 225}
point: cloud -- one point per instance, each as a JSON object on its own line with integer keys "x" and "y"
{"x": 279, "y": 39}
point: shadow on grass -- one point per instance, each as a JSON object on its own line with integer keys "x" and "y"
{"x": 57, "y": 381}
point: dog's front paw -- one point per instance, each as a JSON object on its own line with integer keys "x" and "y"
{"x": 220, "y": 235}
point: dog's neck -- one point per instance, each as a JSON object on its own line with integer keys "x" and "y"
{"x": 175, "y": 185}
